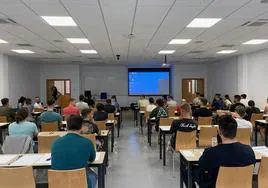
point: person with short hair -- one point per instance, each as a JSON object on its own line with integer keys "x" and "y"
{"x": 217, "y": 103}
{"x": 244, "y": 100}
{"x": 196, "y": 101}
{"x": 108, "y": 107}
{"x": 100, "y": 114}
{"x": 143, "y": 102}
{"x": 171, "y": 102}
{"x": 71, "y": 109}
{"x": 236, "y": 103}
{"x": 73, "y": 151}
{"x": 151, "y": 105}
{"x": 29, "y": 106}
{"x": 38, "y": 103}
{"x": 184, "y": 124}
{"x": 21, "y": 127}
{"x": 251, "y": 109}
{"x": 50, "y": 116}
{"x": 230, "y": 153}
{"x": 6, "y": 111}
{"x": 21, "y": 102}
{"x": 227, "y": 101}
{"x": 82, "y": 104}
{"x": 115, "y": 102}
{"x": 183, "y": 101}
{"x": 265, "y": 111}
{"x": 89, "y": 126}
{"x": 203, "y": 111}
{"x": 159, "y": 112}
{"x": 241, "y": 122}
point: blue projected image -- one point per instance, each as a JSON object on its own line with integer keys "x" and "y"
{"x": 148, "y": 83}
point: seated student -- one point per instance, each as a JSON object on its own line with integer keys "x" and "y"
{"x": 217, "y": 102}
{"x": 6, "y": 111}
{"x": 183, "y": 101}
{"x": 21, "y": 127}
{"x": 115, "y": 103}
{"x": 29, "y": 106}
{"x": 237, "y": 102}
{"x": 171, "y": 102}
{"x": 227, "y": 102}
{"x": 82, "y": 104}
{"x": 196, "y": 101}
{"x": 89, "y": 126}
{"x": 185, "y": 124}
{"x": 203, "y": 111}
{"x": 251, "y": 109}
{"x": 73, "y": 151}
{"x": 38, "y": 103}
{"x": 151, "y": 106}
{"x": 244, "y": 100}
{"x": 160, "y": 111}
{"x": 108, "y": 107}
{"x": 143, "y": 102}
{"x": 21, "y": 102}
{"x": 230, "y": 153}
{"x": 241, "y": 114}
{"x": 71, "y": 109}
{"x": 50, "y": 116}
{"x": 100, "y": 114}
{"x": 90, "y": 101}
{"x": 266, "y": 107}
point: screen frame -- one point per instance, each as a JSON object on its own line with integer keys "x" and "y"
{"x": 149, "y": 70}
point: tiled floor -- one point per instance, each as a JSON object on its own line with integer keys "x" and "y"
{"x": 135, "y": 164}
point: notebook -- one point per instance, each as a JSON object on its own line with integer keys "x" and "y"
{"x": 7, "y": 159}
{"x": 27, "y": 160}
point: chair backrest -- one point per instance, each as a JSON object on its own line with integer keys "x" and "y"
{"x": 67, "y": 178}
{"x": 205, "y": 136}
{"x": 21, "y": 177}
{"x": 3, "y": 119}
{"x": 66, "y": 117}
{"x": 91, "y": 137}
{"x": 38, "y": 110}
{"x": 255, "y": 117}
{"x": 17, "y": 145}
{"x": 235, "y": 177}
{"x": 204, "y": 120}
{"x": 143, "y": 109}
{"x": 185, "y": 140}
{"x": 111, "y": 116}
{"x": 243, "y": 135}
{"x": 165, "y": 121}
{"x": 101, "y": 125}
{"x": 48, "y": 127}
{"x": 171, "y": 111}
{"x": 263, "y": 173}
{"x": 45, "y": 143}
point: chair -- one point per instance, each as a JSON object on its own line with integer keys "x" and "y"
{"x": 45, "y": 143}
{"x": 243, "y": 135}
{"x": 205, "y": 136}
{"x": 165, "y": 121}
{"x": 143, "y": 109}
{"x": 67, "y": 178}
{"x": 235, "y": 177}
{"x": 255, "y": 117}
{"x": 91, "y": 137}
{"x": 101, "y": 125}
{"x": 38, "y": 110}
{"x": 204, "y": 120}
{"x": 49, "y": 127}
{"x": 17, "y": 145}
{"x": 111, "y": 116}
{"x": 66, "y": 117}
{"x": 171, "y": 111}
{"x": 263, "y": 173}
{"x": 21, "y": 177}
{"x": 3, "y": 119}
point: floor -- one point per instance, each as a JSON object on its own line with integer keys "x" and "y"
{"x": 134, "y": 164}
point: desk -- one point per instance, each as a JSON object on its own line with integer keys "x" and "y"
{"x": 39, "y": 161}
{"x": 141, "y": 120}
{"x": 2, "y": 127}
{"x": 262, "y": 123}
{"x": 188, "y": 158}
{"x": 163, "y": 131}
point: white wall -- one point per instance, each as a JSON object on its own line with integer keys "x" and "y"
{"x": 60, "y": 71}
{"x": 4, "y": 89}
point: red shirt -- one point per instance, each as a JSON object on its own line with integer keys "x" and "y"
{"x": 71, "y": 110}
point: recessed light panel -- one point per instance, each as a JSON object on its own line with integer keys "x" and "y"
{"x": 3, "y": 41}
{"x": 78, "y": 40}
{"x": 180, "y": 41}
{"x": 166, "y": 51}
{"x": 256, "y": 41}
{"x": 226, "y": 51}
{"x": 59, "y": 20}
{"x": 203, "y": 22}
{"x": 21, "y": 51}
{"x": 88, "y": 51}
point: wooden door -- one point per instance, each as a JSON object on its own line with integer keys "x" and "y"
{"x": 190, "y": 86}
{"x": 64, "y": 88}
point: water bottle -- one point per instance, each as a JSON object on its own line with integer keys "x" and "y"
{"x": 214, "y": 141}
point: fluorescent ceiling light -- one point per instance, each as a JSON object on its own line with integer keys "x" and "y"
{"x": 78, "y": 40}
{"x": 256, "y": 41}
{"x": 166, "y": 51}
{"x": 88, "y": 51}
{"x": 3, "y": 41}
{"x": 226, "y": 51}
{"x": 59, "y": 20}
{"x": 180, "y": 41}
{"x": 21, "y": 51}
{"x": 203, "y": 22}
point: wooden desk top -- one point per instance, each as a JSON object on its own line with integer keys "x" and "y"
{"x": 262, "y": 121}
{"x": 193, "y": 155}
{"x": 167, "y": 128}
{"x": 4, "y": 124}
{"x": 142, "y": 112}
{"x": 63, "y": 133}
{"x": 64, "y": 122}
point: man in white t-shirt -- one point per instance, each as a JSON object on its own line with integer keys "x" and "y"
{"x": 38, "y": 103}
{"x": 151, "y": 105}
{"x": 143, "y": 102}
{"x": 171, "y": 102}
{"x": 81, "y": 104}
{"x": 241, "y": 113}
{"x": 244, "y": 100}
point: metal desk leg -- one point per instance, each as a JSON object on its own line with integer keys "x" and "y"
{"x": 100, "y": 177}
{"x": 164, "y": 149}
{"x": 265, "y": 134}
{"x": 148, "y": 130}
{"x": 118, "y": 126}
{"x": 160, "y": 144}
{"x": 256, "y": 135}
{"x": 150, "y": 133}
{"x": 189, "y": 174}
{"x": 141, "y": 123}
{"x": 181, "y": 167}
{"x": 1, "y": 136}
{"x": 112, "y": 144}
{"x": 106, "y": 144}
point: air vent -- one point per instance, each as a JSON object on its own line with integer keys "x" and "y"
{"x": 7, "y": 21}
{"x": 76, "y": 61}
{"x": 25, "y": 45}
{"x": 199, "y": 41}
{"x": 204, "y": 58}
{"x": 264, "y": 1}
{"x": 57, "y": 41}
{"x": 227, "y": 46}
{"x": 94, "y": 58}
{"x": 258, "y": 23}
{"x": 56, "y": 51}
{"x": 196, "y": 52}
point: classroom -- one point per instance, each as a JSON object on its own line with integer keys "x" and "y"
{"x": 133, "y": 93}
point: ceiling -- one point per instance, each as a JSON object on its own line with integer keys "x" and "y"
{"x": 107, "y": 24}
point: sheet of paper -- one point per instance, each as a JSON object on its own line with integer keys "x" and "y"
{"x": 27, "y": 160}
{"x": 7, "y": 159}
{"x": 45, "y": 160}
{"x": 97, "y": 156}
{"x": 188, "y": 154}
{"x": 262, "y": 150}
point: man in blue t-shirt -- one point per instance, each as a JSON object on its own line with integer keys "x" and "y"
{"x": 73, "y": 151}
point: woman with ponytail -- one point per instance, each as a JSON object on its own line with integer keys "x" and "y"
{"x": 21, "y": 127}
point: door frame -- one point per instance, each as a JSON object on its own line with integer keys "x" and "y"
{"x": 47, "y": 80}
{"x": 191, "y": 78}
